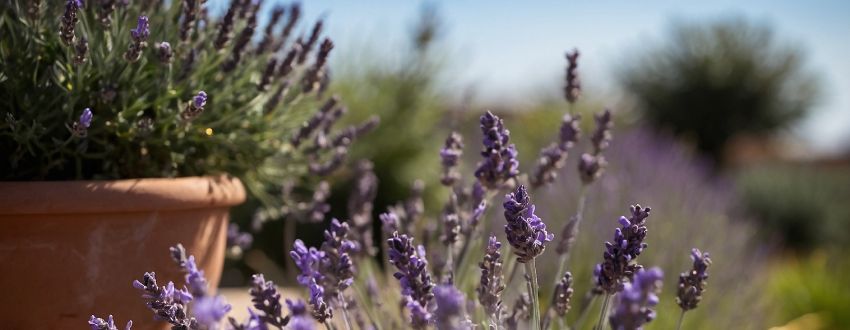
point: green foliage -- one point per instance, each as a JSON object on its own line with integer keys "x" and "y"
{"x": 815, "y": 286}
{"x": 710, "y": 82}
{"x": 804, "y": 207}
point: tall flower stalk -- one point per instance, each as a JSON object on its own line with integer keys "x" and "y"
{"x": 527, "y": 234}
{"x": 692, "y": 284}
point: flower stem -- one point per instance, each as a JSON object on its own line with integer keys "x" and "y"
{"x": 531, "y": 277}
{"x": 344, "y": 306}
{"x": 603, "y": 312}
{"x": 681, "y": 318}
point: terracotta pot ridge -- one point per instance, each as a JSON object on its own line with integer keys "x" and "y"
{"x": 129, "y": 195}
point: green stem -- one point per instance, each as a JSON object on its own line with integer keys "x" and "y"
{"x": 681, "y": 318}
{"x": 344, "y": 306}
{"x": 603, "y": 312}
{"x": 531, "y": 277}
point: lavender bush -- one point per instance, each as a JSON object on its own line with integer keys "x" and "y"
{"x": 136, "y": 89}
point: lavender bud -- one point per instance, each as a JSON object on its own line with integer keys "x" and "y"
{"x": 389, "y": 222}
{"x": 315, "y": 75}
{"x": 104, "y": 14}
{"x": 97, "y": 323}
{"x": 69, "y": 21}
{"x": 451, "y": 309}
{"x": 572, "y": 89}
{"x": 310, "y": 126}
{"x": 323, "y": 169}
{"x": 570, "y": 132}
{"x": 634, "y": 304}
{"x": 692, "y": 283}
{"x": 591, "y": 167}
{"x": 525, "y": 231}
{"x": 563, "y": 294}
{"x": 500, "y": 162}
{"x": 450, "y": 154}
{"x": 412, "y": 274}
{"x": 618, "y": 259}
{"x": 80, "y": 51}
{"x": 318, "y": 205}
{"x": 164, "y": 52}
{"x": 545, "y": 171}
{"x": 320, "y": 310}
{"x": 195, "y": 107}
{"x": 237, "y": 239}
{"x": 307, "y": 260}
{"x": 286, "y": 66}
{"x": 491, "y": 285}
{"x": 568, "y": 237}
{"x": 294, "y": 16}
{"x": 139, "y": 37}
{"x": 167, "y": 303}
{"x": 266, "y": 78}
{"x": 81, "y": 126}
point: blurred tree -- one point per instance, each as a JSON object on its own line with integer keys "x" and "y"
{"x": 710, "y": 82}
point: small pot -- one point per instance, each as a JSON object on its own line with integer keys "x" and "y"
{"x": 70, "y": 249}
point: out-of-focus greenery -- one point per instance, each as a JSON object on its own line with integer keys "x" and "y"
{"x": 814, "y": 288}
{"x": 711, "y": 81}
{"x": 402, "y": 89}
{"x": 804, "y": 207}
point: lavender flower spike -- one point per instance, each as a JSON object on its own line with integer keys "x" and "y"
{"x": 500, "y": 164}
{"x": 634, "y": 305}
{"x": 266, "y": 299}
{"x": 336, "y": 265}
{"x": 69, "y": 20}
{"x": 320, "y": 310}
{"x": 553, "y": 157}
{"x": 413, "y": 275}
{"x": 167, "y": 303}
{"x": 97, "y": 323}
{"x": 601, "y": 137}
{"x": 450, "y": 155}
{"x": 491, "y": 286}
{"x": 81, "y": 126}
{"x": 692, "y": 283}
{"x": 139, "y": 36}
{"x": 525, "y": 231}
{"x": 451, "y": 309}
{"x": 572, "y": 89}
{"x": 307, "y": 261}
{"x": 628, "y": 243}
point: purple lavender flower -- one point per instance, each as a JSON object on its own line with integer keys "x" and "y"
{"x": 389, "y": 222}
{"x": 572, "y": 89}
{"x": 97, "y": 323}
{"x": 142, "y": 30}
{"x": 634, "y": 306}
{"x": 195, "y": 107}
{"x": 450, "y": 154}
{"x": 491, "y": 285}
{"x": 628, "y": 243}
{"x": 500, "y": 163}
{"x": 590, "y": 167}
{"x": 553, "y": 157}
{"x": 451, "y": 308}
{"x": 413, "y": 275}
{"x": 570, "y": 131}
{"x": 692, "y": 283}
{"x": 209, "y": 311}
{"x": 167, "y": 303}
{"x": 336, "y": 265}
{"x": 266, "y": 299}
{"x": 195, "y": 279}
{"x": 307, "y": 261}
{"x": 80, "y": 51}
{"x": 297, "y": 307}
{"x": 420, "y": 316}
{"x": 525, "y": 231}
{"x": 451, "y": 221}
{"x": 563, "y": 294}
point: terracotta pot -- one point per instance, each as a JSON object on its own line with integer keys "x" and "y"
{"x": 70, "y": 249}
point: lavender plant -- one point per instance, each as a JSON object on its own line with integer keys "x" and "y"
{"x": 97, "y": 101}
{"x": 335, "y": 274}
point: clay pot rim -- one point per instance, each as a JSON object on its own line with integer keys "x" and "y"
{"x": 120, "y": 196}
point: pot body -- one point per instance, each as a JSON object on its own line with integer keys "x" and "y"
{"x": 72, "y": 249}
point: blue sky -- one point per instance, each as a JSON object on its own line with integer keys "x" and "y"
{"x": 506, "y": 50}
